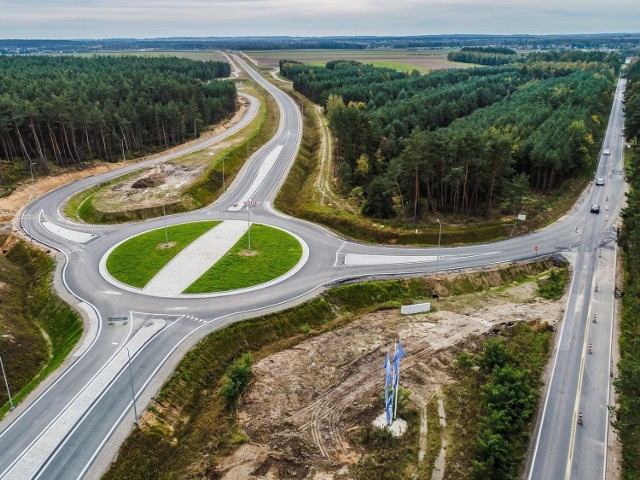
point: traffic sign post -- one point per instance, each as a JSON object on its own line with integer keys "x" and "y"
{"x": 536, "y": 250}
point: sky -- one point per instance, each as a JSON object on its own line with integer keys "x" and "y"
{"x": 89, "y": 19}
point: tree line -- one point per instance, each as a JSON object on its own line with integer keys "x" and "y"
{"x": 483, "y": 55}
{"x": 67, "y": 110}
{"x": 460, "y": 141}
{"x": 627, "y": 383}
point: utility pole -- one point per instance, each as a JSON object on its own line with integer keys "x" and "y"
{"x": 133, "y": 392}
{"x": 6, "y": 384}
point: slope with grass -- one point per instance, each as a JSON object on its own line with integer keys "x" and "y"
{"x": 37, "y": 329}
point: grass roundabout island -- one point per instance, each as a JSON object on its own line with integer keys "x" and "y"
{"x": 138, "y": 260}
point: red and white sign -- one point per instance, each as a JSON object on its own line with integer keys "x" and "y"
{"x": 249, "y": 202}
{"x": 536, "y": 248}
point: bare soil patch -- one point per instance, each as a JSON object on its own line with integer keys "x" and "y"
{"x": 163, "y": 245}
{"x": 307, "y": 404}
{"x": 248, "y": 253}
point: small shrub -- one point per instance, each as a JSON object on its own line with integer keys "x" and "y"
{"x": 237, "y": 378}
{"x": 552, "y": 288}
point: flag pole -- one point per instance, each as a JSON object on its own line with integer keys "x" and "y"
{"x": 396, "y": 380}
{"x": 386, "y": 385}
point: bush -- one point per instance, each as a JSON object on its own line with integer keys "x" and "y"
{"x": 237, "y": 378}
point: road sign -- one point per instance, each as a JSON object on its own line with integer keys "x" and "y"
{"x": 536, "y": 248}
{"x": 249, "y": 202}
{"x": 522, "y": 217}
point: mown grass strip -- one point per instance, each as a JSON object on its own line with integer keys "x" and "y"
{"x": 274, "y": 253}
{"x": 33, "y": 305}
{"x": 136, "y": 261}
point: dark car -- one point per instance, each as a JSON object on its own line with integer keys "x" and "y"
{"x": 595, "y": 208}
{"x": 600, "y": 181}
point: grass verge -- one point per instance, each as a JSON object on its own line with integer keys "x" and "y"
{"x": 136, "y": 261}
{"x": 189, "y": 424}
{"x": 37, "y": 329}
{"x": 274, "y": 252}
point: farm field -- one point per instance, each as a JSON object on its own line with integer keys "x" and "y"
{"x": 398, "y": 59}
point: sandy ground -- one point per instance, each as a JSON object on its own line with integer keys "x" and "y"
{"x": 306, "y": 404}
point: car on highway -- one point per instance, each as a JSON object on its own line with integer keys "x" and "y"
{"x": 599, "y": 181}
{"x": 607, "y": 151}
{"x": 595, "y": 208}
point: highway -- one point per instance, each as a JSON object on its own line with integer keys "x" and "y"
{"x": 60, "y": 433}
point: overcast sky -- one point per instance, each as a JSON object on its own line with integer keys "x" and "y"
{"x": 163, "y": 18}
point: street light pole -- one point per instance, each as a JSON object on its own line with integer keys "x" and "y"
{"x": 133, "y": 392}
{"x": 249, "y": 202}
{"x": 164, "y": 215}
{"x": 6, "y": 384}
{"x": 224, "y": 187}
{"x": 33, "y": 188}
{"x": 439, "y": 238}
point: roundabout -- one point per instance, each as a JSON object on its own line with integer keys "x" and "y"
{"x": 206, "y": 258}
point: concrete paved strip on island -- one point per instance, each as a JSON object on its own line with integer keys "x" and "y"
{"x": 193, "y": 262}
{"x": 67, "y": 234}
{"x": 34, "y": 457}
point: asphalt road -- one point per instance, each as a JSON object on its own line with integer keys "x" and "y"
{"x": 60, "y": 433}
{"x": 580, "y": 381}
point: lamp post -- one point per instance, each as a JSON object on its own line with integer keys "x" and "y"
{"x": 6, "y": 384}
{"x": 164, "y": 215}
{"x": 439, "y": 238}
{"x": 224, "y": 187}
{"x": 33, "y": 188}
{"x": 249, "y": 202}
{"x": 133, "y": 392}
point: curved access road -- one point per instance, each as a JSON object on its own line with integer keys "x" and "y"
{"x": 137, "y": 338}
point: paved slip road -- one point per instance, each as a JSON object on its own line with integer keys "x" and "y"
{"x": 60, "y": 433}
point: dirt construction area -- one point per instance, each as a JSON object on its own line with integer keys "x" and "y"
{"x": 306, "y": 406}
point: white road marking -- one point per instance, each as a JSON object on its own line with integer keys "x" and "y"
{"x": 70, "y": 235}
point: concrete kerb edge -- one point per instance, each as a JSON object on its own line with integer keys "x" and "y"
{"x": 102, "y": 268}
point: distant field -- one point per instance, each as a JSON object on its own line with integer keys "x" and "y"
{"x": 193, "y": 55}
{"x": 399, "y": 59}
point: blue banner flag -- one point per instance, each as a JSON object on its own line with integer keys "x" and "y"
{"x": 388, "y": 397}
{"x": 396, "y": 377}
